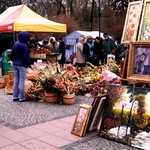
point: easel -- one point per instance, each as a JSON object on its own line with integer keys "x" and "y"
{"x": 124, "y": 68}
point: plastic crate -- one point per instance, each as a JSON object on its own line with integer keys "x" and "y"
{"x": 6, "y": 67}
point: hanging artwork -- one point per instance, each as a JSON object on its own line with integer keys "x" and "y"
{"x": 127, "y": 117}
{"x": 131, "y": 22}
{"x": 139, "y": 62}
{"x": 144, "y": 32}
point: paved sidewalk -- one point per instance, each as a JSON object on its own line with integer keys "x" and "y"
{"x": 53, "y": 135}
{"x": 41, "y": 126}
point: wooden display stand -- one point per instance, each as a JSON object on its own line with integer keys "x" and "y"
{"x": 53, "y": 57}
{"x": 124, "y": 79}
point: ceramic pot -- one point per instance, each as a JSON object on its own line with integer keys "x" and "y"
{"x": 69, "y": 99}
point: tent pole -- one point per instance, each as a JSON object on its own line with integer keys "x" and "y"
{"x": 14, "y": 37}
{"x": 99, "y": 16}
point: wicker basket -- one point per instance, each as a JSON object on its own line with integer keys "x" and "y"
{"x": 11, "y": 75}
{"x": 33, "y": 76}
{"x": 2, "y": 83}
{"x": 9, "y": 87}
{"x": 69, "y": 99}
{"x": 51, "y": 97}
{"x": 6, "y": 80}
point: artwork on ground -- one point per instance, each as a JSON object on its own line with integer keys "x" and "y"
{"x": 81, "y": 120}
{"x": 127, "y": 117}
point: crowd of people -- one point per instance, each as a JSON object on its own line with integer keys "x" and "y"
{"x": 88, "y": 49}
{"x": 97, "y": 50}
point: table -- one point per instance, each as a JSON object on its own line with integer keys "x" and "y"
{"x": 53, "y": 57}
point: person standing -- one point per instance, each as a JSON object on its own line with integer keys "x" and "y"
{"x": 120, "y": 51}
{"x": 20, "y": 62}
{"x": 80, "y": 57}
{"x": 62, "y": 51}
{"x": 109, "y": 46}
{"x": 88, "y": 47}
{"x": 98, "y": 55}
{"x": 54, "y": 47}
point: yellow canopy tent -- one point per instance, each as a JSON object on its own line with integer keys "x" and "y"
{"x": 21, "y": 18}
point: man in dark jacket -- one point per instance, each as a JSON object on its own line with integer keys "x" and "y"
{"x": 20, "y": 61}
{"x": 98, "y": 55}
{"x": 109, "y": 46}
{"x": 62, "y": 51}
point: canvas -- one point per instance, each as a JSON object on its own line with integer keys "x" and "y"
{"x": 127, "y": 117}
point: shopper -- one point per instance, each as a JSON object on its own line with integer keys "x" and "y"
{"x": 120, "y": 51}
{"x": 20, "y": 61}
{"x": 80, "y": 57}
{"x": 62, "y": 51}
{"x": 98, "y": 55}
{"x": 88, "y": 47}
{"x": 109, "y": 46}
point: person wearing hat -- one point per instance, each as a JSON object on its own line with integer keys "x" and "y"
{"x": 98, "y": 55}
{"x": 109, "y": 46}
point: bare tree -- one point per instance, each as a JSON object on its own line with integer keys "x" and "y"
{"x": 5, "y": 4}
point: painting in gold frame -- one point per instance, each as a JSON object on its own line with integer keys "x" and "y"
{"x": 139, "y": 62}
{"x": 144, "y": 34}
{"x": 132, "y": 22}
{"x": 81, "y": 120}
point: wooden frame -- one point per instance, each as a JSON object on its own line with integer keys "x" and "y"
{"x": 145, "y": 24}
{"x": 81, "y": 120}
{"x": 139, "y": 62}
{"x": 96, "y": 113}
{"x": 132, "y": 22}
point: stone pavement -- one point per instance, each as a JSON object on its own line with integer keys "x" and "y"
{"x": 41, "y": 126}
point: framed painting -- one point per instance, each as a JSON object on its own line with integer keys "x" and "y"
{"x": 126, "y": 118}
{"x": 132, "y": 22}
{"x": 139, "y": 62}
{"x": 144, "y": 34}
{"x": 96, "y": 113}
{"x": 81, "y": 120}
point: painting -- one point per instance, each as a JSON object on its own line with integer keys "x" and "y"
{"x": 127, "y": 117}
{"x": 96, "y": 113}
{"x": 144, "y": 31}
{"x": 139, "y": 62}
{"x": 132, "y": 22}
{"x": 81, "y": 120}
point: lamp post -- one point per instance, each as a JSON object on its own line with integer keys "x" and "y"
{"x": 99, "y": 16}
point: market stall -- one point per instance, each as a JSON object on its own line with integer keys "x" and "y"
{"x": 21, "y": 18}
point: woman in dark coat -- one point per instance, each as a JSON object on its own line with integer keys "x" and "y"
{"x": 62, "y": 51}
{"x": 88, "y": 47}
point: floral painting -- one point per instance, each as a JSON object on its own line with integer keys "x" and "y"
{"x": 131, "y": 22}
{"x": 127, "y": 116}
{"x": 144, "y": 32}
{"x": 142, "y": 61}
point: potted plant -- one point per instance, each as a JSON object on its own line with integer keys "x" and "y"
{"x": 51, "y": 92}
{"x": 66, "y": 87}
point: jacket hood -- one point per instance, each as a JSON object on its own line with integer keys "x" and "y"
{"x": 23, "y": 37}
